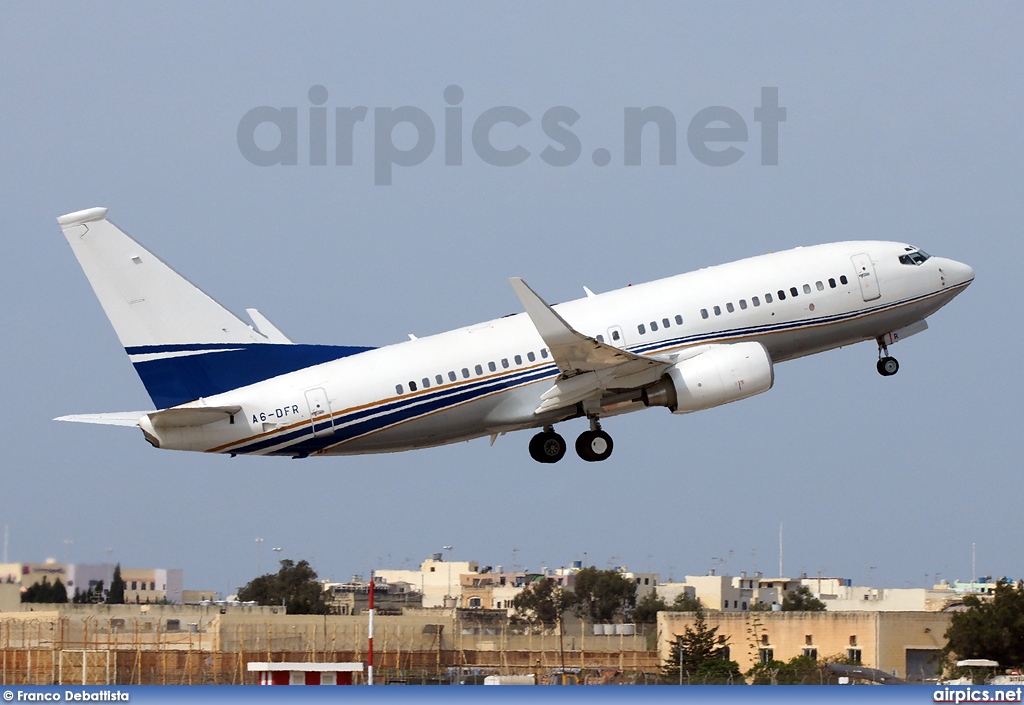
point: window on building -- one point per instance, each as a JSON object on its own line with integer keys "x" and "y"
{"x": 744, "y": 606}
{"x": 135, "y": 585}
{"x": 853, "y": 655}
{"x": 811, "y": 653}
{"x": 152, "y": 585}
{"x": 142, "y": 585}
{"x": 398, "y": 389}
{"x": 853, "y": 640}
{"x": 474, "y": 602}
{"x": 766, "y": 655}
{"x": 764, "y": 638}
{"x": 808, "y": 639}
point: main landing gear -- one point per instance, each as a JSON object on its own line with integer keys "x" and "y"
{"x": 886, "y": 366}
{"x": 593, "y": 445}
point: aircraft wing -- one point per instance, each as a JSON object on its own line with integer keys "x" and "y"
{"x": 588, "y": 366}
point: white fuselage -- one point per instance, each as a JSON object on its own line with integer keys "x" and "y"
{"x": 488, "y": 378}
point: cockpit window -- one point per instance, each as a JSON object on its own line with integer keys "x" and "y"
{"x": 915, "y": 258}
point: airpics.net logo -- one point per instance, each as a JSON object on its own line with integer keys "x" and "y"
{"x": 269, "y": 136}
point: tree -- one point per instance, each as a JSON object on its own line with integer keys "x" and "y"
{"x": 682, "y": 603}
{"x": 801, "y": 600}
{"x": 295, "y": 586}
{"x": 991, "y": 629}
{"x": 692, "y": 648}
{"x": 542, "y": 602}
{"x": 647, "y": 608}
{"x": 115, "y": 596}
{"x": 799, "y": 670}
{"x": 44, "y": 592}
{"x": 603, "y": 594}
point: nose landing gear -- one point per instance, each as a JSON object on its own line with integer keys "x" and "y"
{"x": 886, "y": 366}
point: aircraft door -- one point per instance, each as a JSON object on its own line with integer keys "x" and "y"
{"x": 615, "y": 338}
{"x": 866, "y": 276}
{"x": 319, "y": 412}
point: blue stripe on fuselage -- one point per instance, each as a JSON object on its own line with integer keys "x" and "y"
{"x": 171, "y": 381}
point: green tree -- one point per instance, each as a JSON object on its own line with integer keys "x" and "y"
{"x": 45, "y": 592}
{"x": 647, "y": 608}
{"x": 992, "y": 629}
{"x": 294, "y": 585}
{"x": 542, "y": 602}
{"x": 801, "y": 600}
{"x": 692, "y": 648}
{"x": 799, "y": 670}
{"x": 115, "y": 596}
{"x": 603, "y": 594}
{"x": 682, "y": 603}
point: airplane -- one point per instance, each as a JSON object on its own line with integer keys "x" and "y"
{"x": 687, "y": 343}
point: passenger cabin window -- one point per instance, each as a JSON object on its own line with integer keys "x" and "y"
{"x": 615, "y": 335}
{"x": 807, "y": 288}
{"x": 426, "y": 383}
{"x": 479, "y": 370}
{"x": 465, "y": 373}
{"x": 600, "y": 338}
{"x": 654, "y": 326}
{"x": 756, "y": 301}
{"x": 793, "y": 291}
{"x": 820, "y": 286}
{"x": 518, "y": 359}
{"x": 703, "y": 313}
{"x": 782, "y": 295}
{"x": 664, "y": 323}
{"x": 544, "y": 353}
{"x": 729, "y": 307}
{"x": 641, "y": 329}
{"x": 530, "y": 356}
{"x": 718, "y": 310}
{"x": 491, "y": 366}
{"x": 767, "y": 298}
{"x": 439, "y": 379}
{"x": 743, "y": 304}
{"x": 452, "y": 376}
{"x": 398, "y": 388}
{"x": 843, "y": 280}
{"x": 412, "y": 386}
{"x": 832, "y": 283}
{"x": 679, "y": 320}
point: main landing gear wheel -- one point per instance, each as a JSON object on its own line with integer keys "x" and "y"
{"x": 888, "y": 366}
{"x": 547, "y": 447}
{"x": 594, "y": 446}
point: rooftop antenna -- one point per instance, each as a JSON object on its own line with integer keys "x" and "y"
{"x": 780, "y": 549}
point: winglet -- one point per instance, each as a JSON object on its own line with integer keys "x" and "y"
{"x": 266, "y": 328}
{"x": 552, "y": 327}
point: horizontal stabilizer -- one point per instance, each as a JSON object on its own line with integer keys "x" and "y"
{"x": 191, "y": 416}
{"x": 116, "y": 418}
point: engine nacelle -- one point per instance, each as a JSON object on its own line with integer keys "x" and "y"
{"x": 719, "y": 375}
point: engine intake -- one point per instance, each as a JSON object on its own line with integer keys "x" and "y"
{"x": 719, "y": 375}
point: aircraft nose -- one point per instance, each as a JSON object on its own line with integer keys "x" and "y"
{"x": 957, "y": 273}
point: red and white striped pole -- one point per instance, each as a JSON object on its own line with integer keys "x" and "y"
{"x": 369, "y": 651}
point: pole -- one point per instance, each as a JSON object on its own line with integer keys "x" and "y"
{"x": 369, "y": 649}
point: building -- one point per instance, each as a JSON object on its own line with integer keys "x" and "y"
{"x": 907, "y": 644}
{"x": 353, "y": 597}
{"x": 142, "y": 585}
{"x": 437, "y": 580}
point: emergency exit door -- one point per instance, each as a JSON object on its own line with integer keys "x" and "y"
{"x": 319, "y": 412}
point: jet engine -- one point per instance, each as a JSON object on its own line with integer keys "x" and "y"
{"x": 719, "y": 375}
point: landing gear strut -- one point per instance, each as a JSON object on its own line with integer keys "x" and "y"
{"x": 547, "y": 446}
{"x": 886, "y": 366}
{"x": 594, "y": 445}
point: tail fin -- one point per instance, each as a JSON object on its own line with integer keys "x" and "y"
{"x": 184, "y": 345}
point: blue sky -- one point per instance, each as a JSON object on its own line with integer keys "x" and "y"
{"x": 903, "y": 122}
